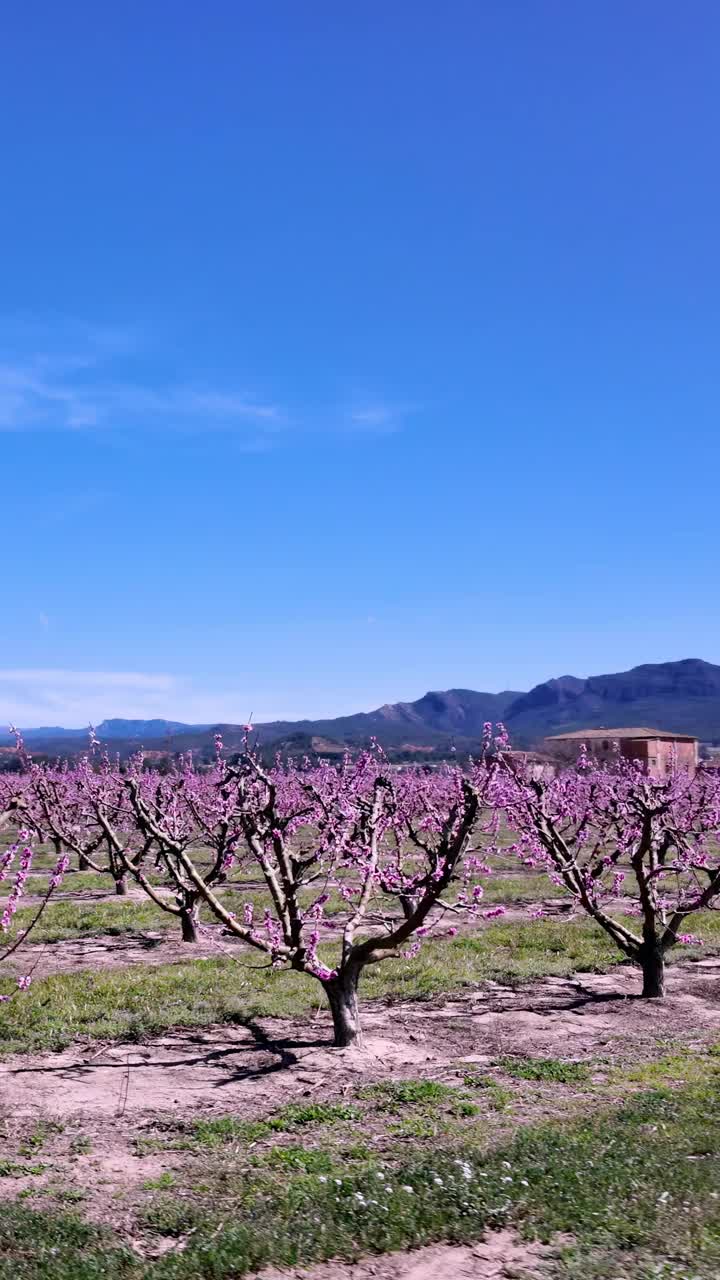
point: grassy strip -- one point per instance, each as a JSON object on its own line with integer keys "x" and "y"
{"x": 65, "y": 919}
{"x": 74, "y": 882}
{"x": 130, "y": 1003}
{"x": 36, "y": 1246}
{"x": 634, "y": 1189}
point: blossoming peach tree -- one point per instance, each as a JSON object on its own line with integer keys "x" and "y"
{"x": 627, "y": 846}
{"x": 372, "y": 860}
{"x": 16, "y": 861}
{"x": 356, "y": 863}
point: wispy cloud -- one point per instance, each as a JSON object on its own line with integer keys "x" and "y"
{"x": 34, "y": 696}
{"x": 71, "y": 396}
{"x": 377, "y": 417}
{"x": 75, "y": 377}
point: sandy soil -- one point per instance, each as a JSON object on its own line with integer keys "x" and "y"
{"x": 499, "y": 1257}
{"x": 267, "y": 1062}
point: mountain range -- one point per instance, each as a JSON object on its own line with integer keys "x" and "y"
{"x": 683, "y": 696}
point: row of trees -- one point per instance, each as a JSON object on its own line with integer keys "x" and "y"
{"x": 358, "y": 864}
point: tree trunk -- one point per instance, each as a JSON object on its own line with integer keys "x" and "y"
{"x": 121, "y": 886}
{"x": 83, "y": 864}
{"x": 343, "y": 1000}
{"x": 189, "y": 923}
{"x": 652, "y": 959}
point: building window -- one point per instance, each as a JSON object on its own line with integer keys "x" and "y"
{"x": 606, "y": 745}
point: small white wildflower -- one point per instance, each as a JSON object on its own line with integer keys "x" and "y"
{"x": 322, "y": 1178}
{"x": 506, "y": 1179}
{"x": 409, "y": 1190}
{"x": 380, "y": 1175}
{"x": 524, "y": 1182}
{"x": 438, "y": 1182}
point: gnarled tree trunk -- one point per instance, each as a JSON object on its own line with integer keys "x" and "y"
{"x": 189, "y": 923}
{"x": 342, "y": 995}
{"x": 652, "y": 960}
{"x": 121, "y": 885}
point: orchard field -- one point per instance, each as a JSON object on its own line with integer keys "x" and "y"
{"x": 503, "y": 1104}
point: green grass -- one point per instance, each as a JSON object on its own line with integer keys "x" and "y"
{"x": 42, "y": 1246}
{"x": 530, "y": 887}
{"x": 131, "y": 1003}
{"x": 217, "y": 1132}
{"x": 74, "y": 882}
{"x": 633, "y": 1188}
{"x": 494, "y": 1094}
{"x": 13, "y": 1169}
{"x": 67, "y": 919}
{"x": 543, "y": 1069}
{"x": 393, "y": 1095}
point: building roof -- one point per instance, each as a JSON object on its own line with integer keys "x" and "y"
{"x": 616, "y": 734}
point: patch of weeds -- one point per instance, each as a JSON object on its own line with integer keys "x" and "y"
{"x": 465, "y": 1109}
{"x": 219, "y": 1131}
{"x": 162, "y": 1183}
{"x": 552, "y": 1069}
{"x": 43, "y": 1246}
{"x": 418, "y": 1126}
{"x": 494, "y": 1094}
{"x": 392, "y": 1095}
{"x": 12, "y": 1169}
{"x": 634, "y": 1187}
{"x": 80, "y": 1145}
{"x": 172, "y": 1217}
{"x": 683, "y": 1067}
{"x": 36, "y": 1140}
{"x": 298, "y": 1115}
{"x": 68, "y": 919}
{"x": 299, "y": 1158}
{"x": 148, "y": 1146}
{"x": 499, "y": 1098}
{"x": 70, "y": 1195}
{"x": 355, "y": 1151}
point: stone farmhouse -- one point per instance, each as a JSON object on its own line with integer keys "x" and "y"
{"x": 656, "y": 748}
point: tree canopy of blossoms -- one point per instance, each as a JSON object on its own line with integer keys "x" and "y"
{"x": 638, "y": 853}
{"x": 16, "y": 865}
{"x": 357, "y": 863}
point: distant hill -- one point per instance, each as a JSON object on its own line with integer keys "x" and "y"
{"x": 684, "y": 696}
{"x": 145, "y": 730}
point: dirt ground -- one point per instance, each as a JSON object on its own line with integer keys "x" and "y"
{"x": 267, "y": 1061}
{"x": 499, "y": 1257}
{"x": 100, "y": 1102}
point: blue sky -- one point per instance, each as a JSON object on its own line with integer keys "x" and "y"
{"x": 348, "y": 351}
